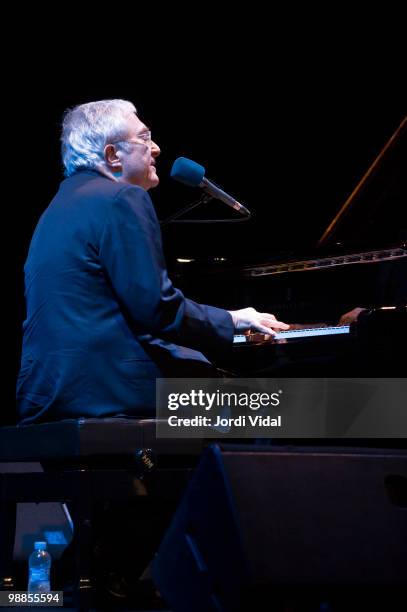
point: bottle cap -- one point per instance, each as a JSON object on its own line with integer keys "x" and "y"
{"x": 40, "y": 545}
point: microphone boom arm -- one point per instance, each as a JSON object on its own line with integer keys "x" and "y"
{"x": 202, "y": 200}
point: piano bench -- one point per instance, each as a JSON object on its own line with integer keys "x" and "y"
{"x": 86, "y": 461}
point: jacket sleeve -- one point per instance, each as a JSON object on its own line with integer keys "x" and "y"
{"x": 132, "y": 256}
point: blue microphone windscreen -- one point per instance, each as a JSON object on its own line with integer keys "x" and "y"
{"x": 187, "y": 171}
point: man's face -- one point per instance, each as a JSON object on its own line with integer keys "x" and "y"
{"x": 138, "y": 156}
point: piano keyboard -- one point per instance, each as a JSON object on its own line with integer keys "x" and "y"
{"x": 293, "y": 334}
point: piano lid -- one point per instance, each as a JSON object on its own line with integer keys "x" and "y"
{"x": 370, "y": 226}
{"x": 374, "y": 215}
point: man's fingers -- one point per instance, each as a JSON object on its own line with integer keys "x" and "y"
{"x": 272, "y": 329}
{"x": 267, "y": 315}
{"x": 265, "y": 330}
{"x": 274, "y": 324}
{"x": 270, "y": 320}
{"x": 250, "y": 319}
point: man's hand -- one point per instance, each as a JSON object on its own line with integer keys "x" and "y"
{"x": 248, "y": 319}
{"x": 351, "y": 316}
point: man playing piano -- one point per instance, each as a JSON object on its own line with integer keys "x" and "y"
{"x": 103, "y": 318}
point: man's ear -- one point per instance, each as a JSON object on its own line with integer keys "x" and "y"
{"x": 112, "y": 158}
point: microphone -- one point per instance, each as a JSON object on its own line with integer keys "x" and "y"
{"x": 192, "y": 174}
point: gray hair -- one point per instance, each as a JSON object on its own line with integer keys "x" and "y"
{"x": 88, "y": 128}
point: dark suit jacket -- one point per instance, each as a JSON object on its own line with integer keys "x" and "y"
{"x": 103, "y": 319}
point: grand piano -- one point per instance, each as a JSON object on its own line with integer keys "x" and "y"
{"x": 359, "y": 261}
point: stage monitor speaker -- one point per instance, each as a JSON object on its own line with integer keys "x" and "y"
{"x": 278, "y": 519}
{"x": 48, "y": 521}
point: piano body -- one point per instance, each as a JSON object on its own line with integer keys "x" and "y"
{"x": 359, "y": 261}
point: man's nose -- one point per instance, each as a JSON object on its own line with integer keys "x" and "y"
{"x": 155, "y": 149}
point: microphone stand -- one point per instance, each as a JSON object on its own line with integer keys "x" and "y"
{"x": 202, "y": 200}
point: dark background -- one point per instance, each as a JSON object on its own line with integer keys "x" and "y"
{"x": 288, "y": 130}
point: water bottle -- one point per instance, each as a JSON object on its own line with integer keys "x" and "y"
{"x": 39, "y": 565}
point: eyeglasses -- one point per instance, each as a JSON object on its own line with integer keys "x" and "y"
{"x": 145, "y": 138}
